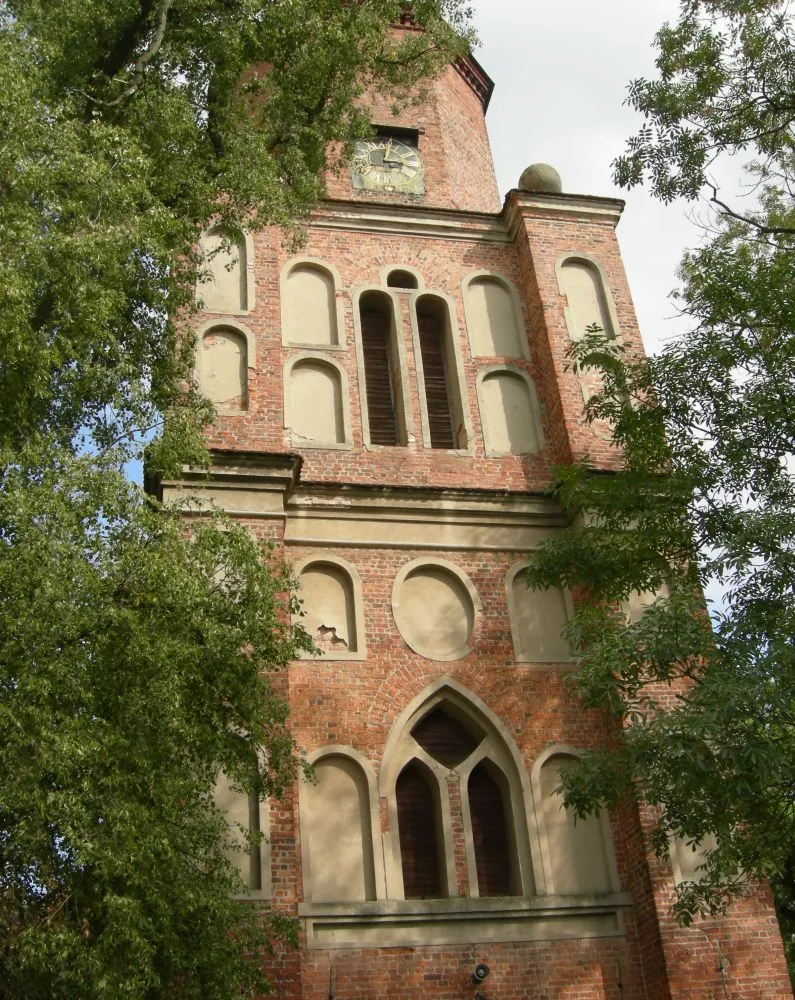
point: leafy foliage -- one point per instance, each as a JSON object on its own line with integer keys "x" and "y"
{"x": 134, "y": 656}
{"x": 704, "y": 498}
{"x": 134, "y": 667}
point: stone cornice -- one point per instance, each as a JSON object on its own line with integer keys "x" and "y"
{"x": 476, "y": 77}
{"x": 410, "y": 220}
{"x": 524, "y": 206}
{"x": 520, "y": 208}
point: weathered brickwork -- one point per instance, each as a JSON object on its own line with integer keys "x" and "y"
{"x": 379, "y": 508}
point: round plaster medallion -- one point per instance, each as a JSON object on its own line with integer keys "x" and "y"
{"x": 434, "y": 607}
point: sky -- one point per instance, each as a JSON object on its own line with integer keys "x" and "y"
{"x": 561, "y": 72}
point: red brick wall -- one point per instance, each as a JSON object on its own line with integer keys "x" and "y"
{"x": 356, "y": 703}
{"x": 453, "y": 143}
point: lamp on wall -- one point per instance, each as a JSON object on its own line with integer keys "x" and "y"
{"x": 481, "y": 972}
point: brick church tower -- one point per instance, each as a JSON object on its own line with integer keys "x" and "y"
{"x": 391, "y": 401}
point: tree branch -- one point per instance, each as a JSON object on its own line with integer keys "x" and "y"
{"x": 766, "y": 230}
{"x": 140, "y": 64}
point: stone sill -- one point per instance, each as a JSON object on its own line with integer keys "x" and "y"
{"x": 439, "y": 922}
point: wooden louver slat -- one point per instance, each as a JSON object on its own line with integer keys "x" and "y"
{"x": 437, "y": 394}
{"x": 489, "y": 834}
{"x": 378, "y": 377}
{"x": 417, "y": 828}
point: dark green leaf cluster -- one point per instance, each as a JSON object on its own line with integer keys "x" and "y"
{"x": 136, "y": 645}
{"x": 134, "y": 668}
{"x": 705, "y": 497}
{"x": 130, "y": 127}
{"x": 726, "y": 84}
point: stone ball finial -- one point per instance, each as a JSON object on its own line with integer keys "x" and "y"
{"x": 541, "y": 177}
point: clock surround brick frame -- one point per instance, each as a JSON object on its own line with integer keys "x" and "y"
{"x": 458, "y": 228}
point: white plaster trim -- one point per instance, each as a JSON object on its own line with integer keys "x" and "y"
{"x": 400, "y": 385}
{"x": 453, "y": 342}
{"x": 594, "y": 265}
{"x": 508, "y": 285}
{"x": 565, "y": 750}
{"x": 389, "y": 268}
{"x": 535, "y": 408}
{"x": 334, "y": 274}
{"x": 458, "y": 573}
{"x": 319, "y": 558}
{"x": 318, "y": 357}
{"x": 335, "y": 750}
{"x": 498, "y": 745}
{"x": 521, "y": 655}
{"x": 248, "y": 249}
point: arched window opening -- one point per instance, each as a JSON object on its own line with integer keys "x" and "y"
{"x": 384, "y": 408}
{"x": 490, "y": 834}
{"x": 456, "y": 791}
{"x": 224, "y": 368}
{"x": 445, "y": 738}
{"x": 442, "y": 398}
{"x": 402, "y": 280}
{"x": 418, "y": 828}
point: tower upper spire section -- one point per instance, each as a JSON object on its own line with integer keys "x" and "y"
{"x": 434, "y": 152}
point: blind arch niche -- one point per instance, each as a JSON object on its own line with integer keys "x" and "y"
{"x": 339, "y": 828}
{"x": 225, "y": 351}
{"x": 311, "y": 306}
{"x": 226, "y": 280}
{"x": 333, "y": 609}
{"x": 588, "y": 300}
{"x": 578, "y": 853}
{"x": 494, "y": 317}
{"x": 509, "y": 412}
{"x": 315, "y": 398}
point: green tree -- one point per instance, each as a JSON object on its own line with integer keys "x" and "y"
{"x": 136, "y": 647}
{"x": 705, "y": 496}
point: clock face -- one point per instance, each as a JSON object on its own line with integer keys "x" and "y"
{"x": 384, "y": 164}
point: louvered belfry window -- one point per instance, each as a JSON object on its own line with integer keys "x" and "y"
{"x": 418, "y": 830}
{"x": 376, "y": 326}
{"x": 489, "y": 834}
{"x": 441, "y": 421}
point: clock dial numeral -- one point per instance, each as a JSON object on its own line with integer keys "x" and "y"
{"x": 387, "y": 165}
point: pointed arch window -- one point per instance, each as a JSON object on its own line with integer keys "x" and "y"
{"x": 418, "y": 826}
{"x": 446, "y": 743}
{"x": 490, "y": 834}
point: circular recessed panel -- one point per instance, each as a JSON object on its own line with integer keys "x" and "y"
{"x": 435, "y": 612}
